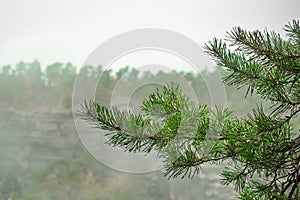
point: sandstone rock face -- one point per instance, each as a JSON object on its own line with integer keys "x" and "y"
{"x": 43, "y": 134}
{"x": 46, "y": 137}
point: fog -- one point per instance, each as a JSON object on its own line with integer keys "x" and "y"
{"x": 45, "y": 156}
{"x": 46, "y": 152}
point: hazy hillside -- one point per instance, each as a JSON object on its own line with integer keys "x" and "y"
{"x": 41, "y": 156}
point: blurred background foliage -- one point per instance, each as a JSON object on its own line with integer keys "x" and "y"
{"x": 41, "y": 156}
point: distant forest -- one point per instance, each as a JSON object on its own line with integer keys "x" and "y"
{"x": 26, "y": 86}
{"x": 41, "y": 156}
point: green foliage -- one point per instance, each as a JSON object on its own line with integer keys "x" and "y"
{"x": 52, "y": 163}
{"x": 41, "y": 172}
{"x": 261, "y": 149}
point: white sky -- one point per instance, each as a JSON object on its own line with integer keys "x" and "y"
{"x": 69, "y": 30}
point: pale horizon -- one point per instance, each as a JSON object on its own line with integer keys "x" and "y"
{"x": 68, "y": 31}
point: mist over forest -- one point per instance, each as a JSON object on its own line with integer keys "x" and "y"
{"x": 41, "y": 156}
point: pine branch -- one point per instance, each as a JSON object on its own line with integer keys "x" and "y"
{"x": 267, "y": 66}
{"x": 187, "y": 135}
{"x": 293, "y": 31}
{"x": 126, "y": 130}
{"x": 261, "y": 46}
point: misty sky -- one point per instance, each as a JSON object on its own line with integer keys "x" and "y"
{"x": 68, "y": 30}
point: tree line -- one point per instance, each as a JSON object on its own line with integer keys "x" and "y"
{"x": 28, "y": 86}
